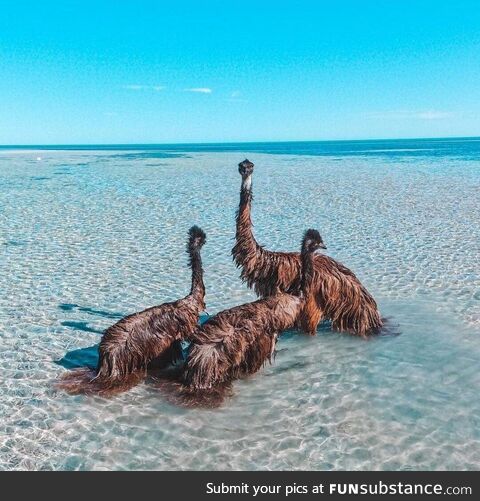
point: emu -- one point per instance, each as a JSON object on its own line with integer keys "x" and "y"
{"x": 336, "y": 293}
{"x": 129, "y": 346}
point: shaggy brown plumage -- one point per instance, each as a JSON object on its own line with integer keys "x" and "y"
{"x": 127, "y": 348}
{"x": 242, "y": 339}
{"x": 336, "y": 294}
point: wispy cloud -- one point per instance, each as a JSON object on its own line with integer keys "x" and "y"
{"x": 433, "y": 115}
{"x": 410, "y": 114}
{"x": 143, "y": 87}
{"x": 134, "y": 87}
{"x": 201, "y": 90}
{"x": 236, "y": 97}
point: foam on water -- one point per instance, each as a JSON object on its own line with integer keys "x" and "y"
{"x": 89, "y": 236}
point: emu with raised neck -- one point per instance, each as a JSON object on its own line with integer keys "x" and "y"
{"x": 336, "y": 294}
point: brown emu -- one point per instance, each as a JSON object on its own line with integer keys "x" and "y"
{"x": 337, "y": 294}
{"x": 127, "y": 348}
{"x": 240, "y": 340}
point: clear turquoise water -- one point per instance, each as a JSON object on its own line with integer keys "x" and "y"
{"x": 89, "y": 235}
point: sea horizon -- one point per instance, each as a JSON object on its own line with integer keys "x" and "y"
{"x": 226, "y": 143}
{"x": 453, "y": 147}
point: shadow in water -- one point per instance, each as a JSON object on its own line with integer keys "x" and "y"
{"x": 323, "y": 328}
{"x": 168, "y": 383}
{"x": 91, "y": 311}
{"x": 13, "y": 243}
{"x": 390, "y": 328}
{"x": 286, "y": 368}
{"x": 82, "y": 357}
{"x": 82, "y": 326}
{"x": 114, "y": 315}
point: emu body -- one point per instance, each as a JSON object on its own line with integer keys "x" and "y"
{"x": 127, "y": 348}
{"x": 336, "y": 293}
{"x": 240, "y": 340}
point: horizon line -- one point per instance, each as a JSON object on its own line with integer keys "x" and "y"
{"x": 215, "y": 143}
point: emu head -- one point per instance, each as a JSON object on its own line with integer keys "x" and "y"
{"x": 245, "y": 168}
{"x": 312, "y": 241}
{"x": 196, "y": 238}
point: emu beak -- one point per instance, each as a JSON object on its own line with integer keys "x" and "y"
{"x": 322, "y": 246}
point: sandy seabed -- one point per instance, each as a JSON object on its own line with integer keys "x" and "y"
{"x": 89, "y": 236}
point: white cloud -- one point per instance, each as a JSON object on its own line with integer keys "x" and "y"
{"x": 201, "y": 90}
{"x": 433, "y": 115}
{"x": 410, "y": 114}
{"x": 143, "y": 87}
{"x": 236, "y": 97}
{"x": 134, "y": 87}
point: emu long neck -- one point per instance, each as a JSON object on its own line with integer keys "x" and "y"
{"x": 308, "y": 271}
{"x": 198, "y": 288}
{"x": 246, "y": 242}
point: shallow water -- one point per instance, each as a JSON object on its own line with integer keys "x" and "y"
{"x": 88, "y": 236}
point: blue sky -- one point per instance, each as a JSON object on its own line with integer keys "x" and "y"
{"x": 158, "y": 71}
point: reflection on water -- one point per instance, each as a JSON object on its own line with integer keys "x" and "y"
{"x": 80, "y": 251}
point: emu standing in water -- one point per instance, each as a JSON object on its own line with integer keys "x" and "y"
{"x": 336, "y": 294}
{"x": 131, "y": 344}
{"x": 242, "y": 339}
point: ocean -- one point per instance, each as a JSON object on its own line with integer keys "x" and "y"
{"x": 89, "y": 234}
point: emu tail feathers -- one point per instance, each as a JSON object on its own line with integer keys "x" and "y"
{"x": 85, "y": 381}
{"x": 204, "y": 366}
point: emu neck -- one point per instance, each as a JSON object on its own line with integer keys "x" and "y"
{"x": 308, "y": 271}
{"x": 245, "y": 239}
{"x": 198, "y": 288}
